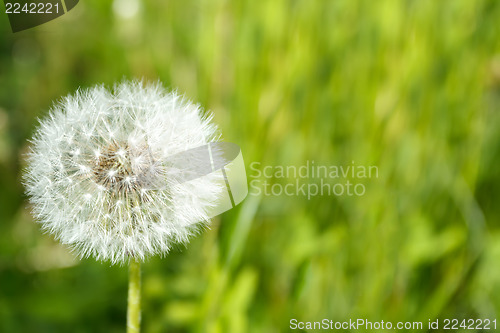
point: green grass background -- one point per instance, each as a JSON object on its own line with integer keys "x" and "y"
{"x": 412, "y": 87}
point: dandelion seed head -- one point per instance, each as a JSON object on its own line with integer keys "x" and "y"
{"x": 98, "y": 175}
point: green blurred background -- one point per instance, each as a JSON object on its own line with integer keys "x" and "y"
{"x": 412, "y": 87}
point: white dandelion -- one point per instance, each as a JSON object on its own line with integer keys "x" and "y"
{"x": 98, "y": 176}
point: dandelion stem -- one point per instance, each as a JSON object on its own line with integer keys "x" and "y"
{"x": 134, "y": 297}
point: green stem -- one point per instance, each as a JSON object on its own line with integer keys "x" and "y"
{"x": 134, "y": 297}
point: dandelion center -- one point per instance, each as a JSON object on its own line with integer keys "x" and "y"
{"x": 113, "y": 169}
